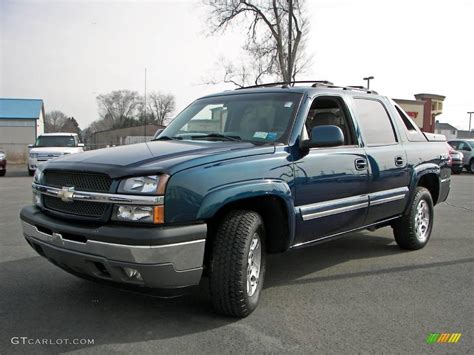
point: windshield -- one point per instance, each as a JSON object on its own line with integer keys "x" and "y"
{"x": 55, "y": 141}
{"x": 256, "y": 118}
{"x": 471, "y": 143}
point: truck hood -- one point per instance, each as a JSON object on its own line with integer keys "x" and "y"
{"x": 157, "y": 156}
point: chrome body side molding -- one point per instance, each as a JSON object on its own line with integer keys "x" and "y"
{"x": 347, "y": 204}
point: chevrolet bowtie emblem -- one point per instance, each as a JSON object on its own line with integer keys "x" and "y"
{"x": 66, "y": 194}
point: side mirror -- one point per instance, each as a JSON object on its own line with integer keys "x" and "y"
{"x": 80, "y": 145}
{"x": 324, "y": 136}
{"x": 157, "y": 133}
{"x": 30, "y": 146}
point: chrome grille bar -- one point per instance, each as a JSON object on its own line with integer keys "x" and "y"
{"x": 100, "y": 197}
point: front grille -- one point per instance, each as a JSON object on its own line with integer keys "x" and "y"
{"x": 78, "y": 208}
{"x": 93, "y": 182}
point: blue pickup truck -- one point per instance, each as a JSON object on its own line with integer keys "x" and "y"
{"x": 235, "y": 176}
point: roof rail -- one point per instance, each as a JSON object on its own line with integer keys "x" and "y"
{"x": 285, "y": 84}
{"x": 315, "y": 83}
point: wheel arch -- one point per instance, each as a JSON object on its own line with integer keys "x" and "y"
{"x": 428, "y": 176}
{"x": 270, "y": 198}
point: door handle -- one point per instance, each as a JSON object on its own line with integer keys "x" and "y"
{"x": 360, "y": 164}
{"x": 399, "y": 161}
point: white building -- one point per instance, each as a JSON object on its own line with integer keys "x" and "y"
{"x": 21, "y": 121}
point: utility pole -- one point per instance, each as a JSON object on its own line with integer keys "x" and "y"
{"x": 145, "y": 106}
{"x": 368, "y": 79}
{"x": 470, "y": 117}
{"x": 290, "y": 29}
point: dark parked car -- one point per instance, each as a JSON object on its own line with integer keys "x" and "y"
{"x": 3, "y": 163}
{"x": 235, "y": 176}
{"x": 456, "y": 160}
{"x": 466, "y": 147}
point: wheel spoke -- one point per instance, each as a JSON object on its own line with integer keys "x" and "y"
{"x": 422, "y": 220}
{"x": 253, "y": 265}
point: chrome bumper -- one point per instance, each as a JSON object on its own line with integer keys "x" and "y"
{"x": 161, "y": 266}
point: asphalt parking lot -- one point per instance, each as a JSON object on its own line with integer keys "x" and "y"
{"x": 360, "y": 293}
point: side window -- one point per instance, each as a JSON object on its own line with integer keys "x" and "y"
{"x": 375, "y": 122}
{"x": 330, "y": 111}
{"x": 413, "y": 132}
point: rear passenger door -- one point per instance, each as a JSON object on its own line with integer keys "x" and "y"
{"x": 389, "y": 175}
{"x": 466, "y": 150}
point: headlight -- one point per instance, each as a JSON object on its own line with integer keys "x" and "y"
{"x": 33, "y": 155}
{"x": 144, "y": 185}
{"x": 37, "y": 199}
{"x": 2, "y": 156}
{"x": 145, "y": 214}
{"x": 38, "y": 176}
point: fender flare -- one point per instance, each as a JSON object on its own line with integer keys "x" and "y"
{"x": 418, "y": 172}
{"x": 223, "y": 195}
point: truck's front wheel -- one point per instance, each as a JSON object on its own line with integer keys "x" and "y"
{"x": 237, "y": 265}
{"x": 413, "y": 230}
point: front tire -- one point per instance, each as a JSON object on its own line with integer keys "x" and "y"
{"x": 471, "y": 166}
{"x": 3, "y": 172}
{"x": 413, "y": 230}
{"x": 237, "y": 265}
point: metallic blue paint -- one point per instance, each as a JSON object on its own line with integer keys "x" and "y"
{"x": 206, "y": 176}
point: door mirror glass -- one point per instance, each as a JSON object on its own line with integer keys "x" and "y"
{"x": 325, "y": 136}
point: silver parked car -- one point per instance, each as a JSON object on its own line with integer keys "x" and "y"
{"x": 466, "y": 147}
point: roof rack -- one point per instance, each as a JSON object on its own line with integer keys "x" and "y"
{"x": 285, "y": 84}
{"x": 315, "y": 83}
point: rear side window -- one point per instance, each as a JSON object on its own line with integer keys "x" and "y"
{"x": 455, "y": 145}
{"x": 375, "y": 122}
{"x": 414, "y": 133}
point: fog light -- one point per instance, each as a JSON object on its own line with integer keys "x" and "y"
{"x": 132, "y": 274}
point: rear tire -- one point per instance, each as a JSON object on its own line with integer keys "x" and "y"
{"x": 237, "y": 264}
{"x": 31, "y": 172}
{"x": 413, "y": 230}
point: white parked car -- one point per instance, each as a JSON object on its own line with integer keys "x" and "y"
{"x": 52, "y": 145}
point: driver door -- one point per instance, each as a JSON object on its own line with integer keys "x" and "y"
{"x": 331, "y": 184}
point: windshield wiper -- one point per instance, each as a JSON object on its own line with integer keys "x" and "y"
{"x": 166, "y": 138}
{"x": 219, "y": 135}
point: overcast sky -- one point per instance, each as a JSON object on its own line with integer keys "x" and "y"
{"x": 68, "y": 52}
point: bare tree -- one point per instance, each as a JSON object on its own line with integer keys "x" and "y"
{"x": 161, "y": 106}
{"x": 120, "y": 107}
{"x": 272, "y": 49}
{"x": 54, "y": 121}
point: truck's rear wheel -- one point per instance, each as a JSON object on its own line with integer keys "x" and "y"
{"x": 237, "y": 265}
{"x": 413, "y": 230}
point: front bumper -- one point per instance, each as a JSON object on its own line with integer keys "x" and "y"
{"x": 165, "y": 257}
